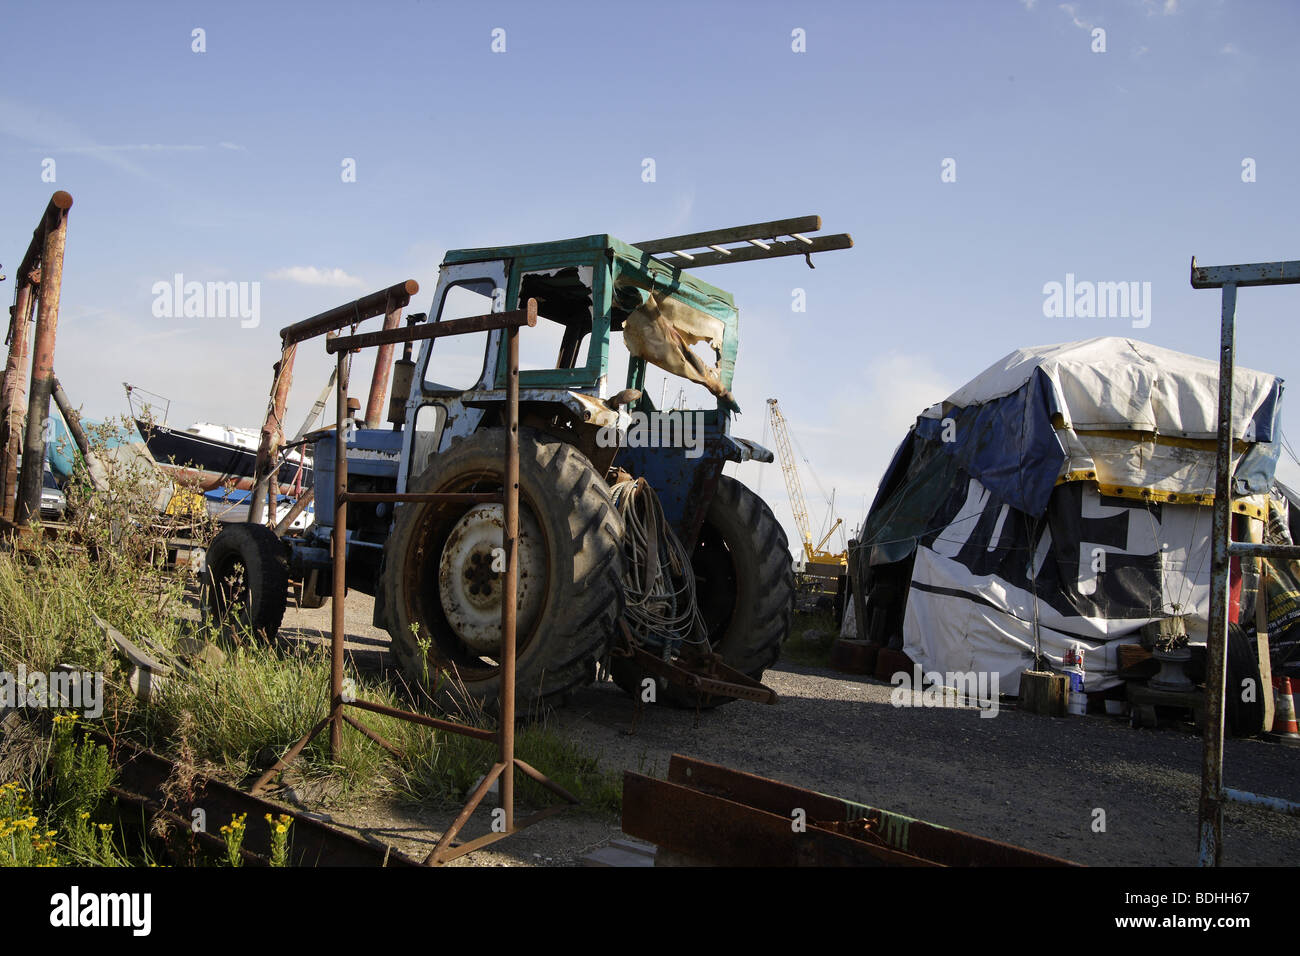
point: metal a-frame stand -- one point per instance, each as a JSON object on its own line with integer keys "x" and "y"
{"x": 504, "y": 737}
{"x": 1223, "y": 549}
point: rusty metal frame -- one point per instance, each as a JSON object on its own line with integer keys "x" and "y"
{"x": 715, "y": 679}
{"x": 715, "y": 815}
{"x": 141, "y": 781}
{"x": 504, "y": 737}
{"x": 386, "y": 302}
{"x": 1223, "y": 549}
{"x": 39, "y": 278}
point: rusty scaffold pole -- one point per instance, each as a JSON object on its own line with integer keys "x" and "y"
{"x": 40, "y": 278}
{"x": 13, "y": 393}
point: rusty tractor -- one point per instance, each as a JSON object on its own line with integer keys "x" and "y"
{"x": 636, "y": 553}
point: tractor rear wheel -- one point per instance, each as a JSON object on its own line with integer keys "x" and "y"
{"x": 246, "y": 577}
{"x": 441, "y": 583}
{"x": 744, "y": 586}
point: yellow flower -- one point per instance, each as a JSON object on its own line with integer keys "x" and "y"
{"x": 280, "y": 828}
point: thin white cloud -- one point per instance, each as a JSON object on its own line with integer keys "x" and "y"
{"x": 310, "y": 275}
{"x": 225, "y": 145}
{"x": 1230, "y": 49}
{"x": 1072, "y": 12}
{"x": 1028, "y": 4}
{"x": 42, "y": 127}
{"x": 124, "y": 148}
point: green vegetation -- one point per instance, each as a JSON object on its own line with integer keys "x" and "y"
{"x": 229, "y": 714}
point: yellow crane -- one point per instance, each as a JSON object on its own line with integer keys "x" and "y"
{"x": 820, "y": 562}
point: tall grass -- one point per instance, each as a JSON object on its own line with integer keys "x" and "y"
{"x": 232, "y": 714}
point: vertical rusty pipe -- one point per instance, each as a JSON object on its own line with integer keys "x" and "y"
{"x": 340, "y": 554}
{"x": 13, "y": 397}
{"x": 47, "y": 326}
{"x": 510, "y": 585}
{"x": 1216, "y": 644}
{"x": 265, "y": 474}
{"x": 383, "y": 365}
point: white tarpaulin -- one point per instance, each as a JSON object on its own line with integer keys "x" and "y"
{"x": 1068, "y": 488}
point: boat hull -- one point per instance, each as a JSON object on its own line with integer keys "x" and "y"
{"x": 214, "y": 464}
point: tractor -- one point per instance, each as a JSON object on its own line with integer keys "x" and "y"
{"x": 584, "y": 443}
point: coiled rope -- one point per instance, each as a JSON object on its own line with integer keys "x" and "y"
{"x": 658, "y": 582}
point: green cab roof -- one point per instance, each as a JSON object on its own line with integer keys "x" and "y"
{"x": 632, "y": 259}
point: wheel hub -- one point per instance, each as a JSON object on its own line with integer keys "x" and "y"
{"x": 472, "y": 569}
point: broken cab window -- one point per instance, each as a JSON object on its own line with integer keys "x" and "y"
{"x": 563, "y": 331}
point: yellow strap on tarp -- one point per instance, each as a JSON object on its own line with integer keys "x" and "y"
{"x": 1168, "y": 497}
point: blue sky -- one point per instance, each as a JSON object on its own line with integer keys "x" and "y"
{"x": 225, "y": 165}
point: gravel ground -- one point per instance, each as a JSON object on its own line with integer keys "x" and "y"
{"x": 1023, "y": 779}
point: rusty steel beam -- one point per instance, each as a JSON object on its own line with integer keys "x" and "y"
{"x": 71, "y": 419}
{"x": 379, "y": 378}
{"x": 464, "y": 730}
{"x": 350, "y": 313}
{"x": 299, "y": 506}
{"x": 13, "y": 396}
{"x": 339, "y": 542}
{"x": 143, "y": 774}
{"x": 713, "y": 830}
{"x": 55, "y": 222}
{"x": 436, "y": 330}
{"x": 760, "y": 798}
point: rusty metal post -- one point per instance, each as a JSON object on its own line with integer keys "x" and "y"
{"x": 383, "y": 366}
{"x": 510, "y": 583}
{"x": 265, "y": 474}
{"x": 42, "y": 380}
{"x": 71, "y": 419}
{"x": 1216, "y": 645}
{"x": 13, "y": 397}
{"x": 340, "y": 553}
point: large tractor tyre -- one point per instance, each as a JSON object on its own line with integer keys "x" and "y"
{"x": 439, "y": 587}
{"x": 745, "y": 588}
{"x": 246, "y": 577}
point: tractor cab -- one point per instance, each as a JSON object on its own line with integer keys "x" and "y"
{"x": 613, "y": 320}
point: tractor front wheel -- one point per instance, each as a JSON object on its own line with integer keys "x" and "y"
{"x": 441, "y": 585}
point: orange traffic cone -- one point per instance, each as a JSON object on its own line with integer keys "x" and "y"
{"x": 1284, "y": 720}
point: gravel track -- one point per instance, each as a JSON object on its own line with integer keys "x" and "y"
{"x": 1020, "y": 778}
